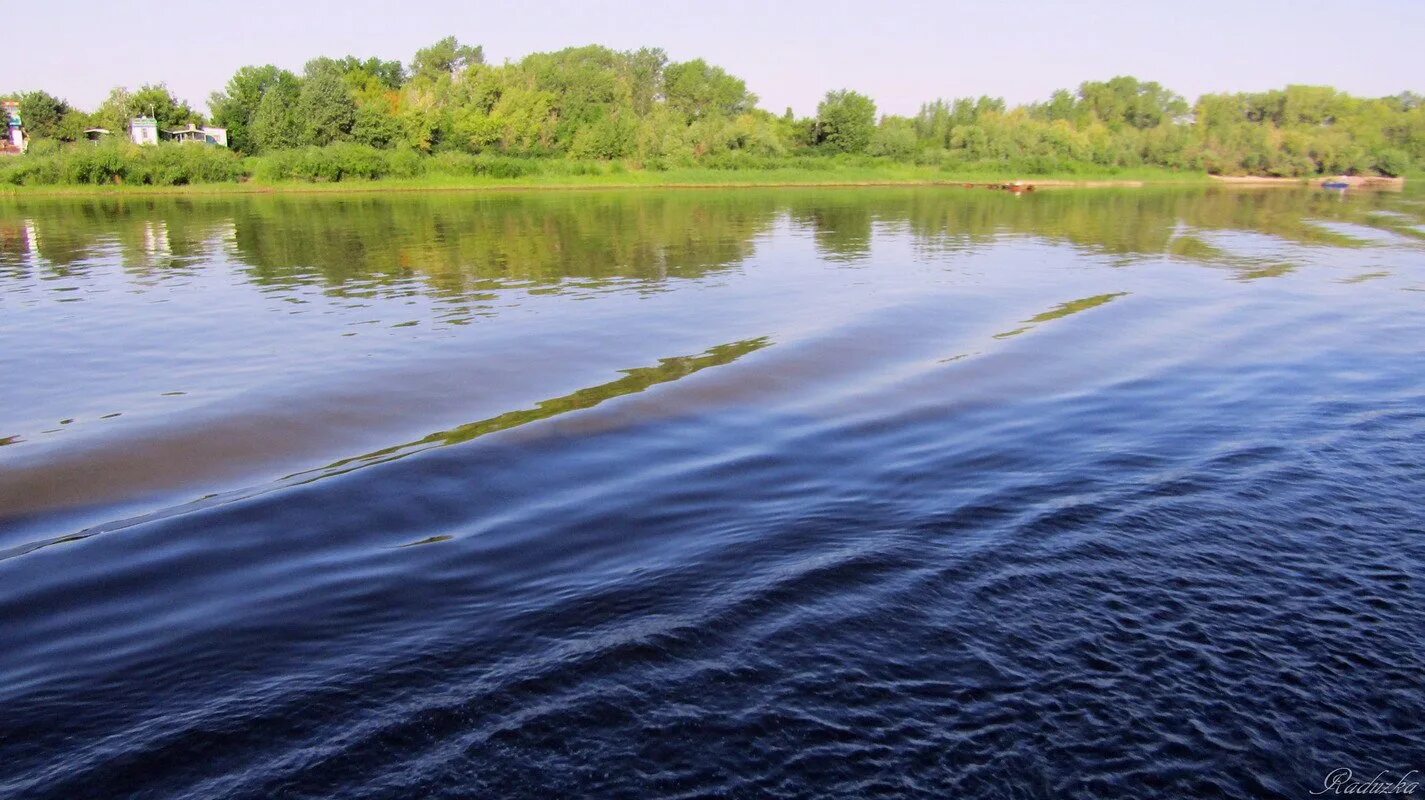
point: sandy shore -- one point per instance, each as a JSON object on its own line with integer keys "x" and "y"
{"x": 1354, "y": 181}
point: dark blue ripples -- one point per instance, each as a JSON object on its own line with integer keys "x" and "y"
{"x": 1086, "y": 562}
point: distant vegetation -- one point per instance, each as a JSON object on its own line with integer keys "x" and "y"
{"x": 594, "y": 109}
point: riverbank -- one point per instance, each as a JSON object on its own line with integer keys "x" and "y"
{"x": 1371, "y": 182}
{"x": 684, "y": 178}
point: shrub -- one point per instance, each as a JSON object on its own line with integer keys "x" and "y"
{"x": 452, "y": 162}
{"x": 180, "y": 164}
{"x": 31, "y": 170}
{"x": 405, "y": 163}
{"x": 502, "y": 167}
{"x": 96, "y": 165}
{"x": 121, "y": 162}
{"x": 1391, "y": 162}
{"x": 893, "y": 141}
{"x": 343, "y": 161}
{"x": 576, "y": 168}
{"x": 357, "y": 161}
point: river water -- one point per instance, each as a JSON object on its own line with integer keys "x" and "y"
{"x": 760, "y": 493}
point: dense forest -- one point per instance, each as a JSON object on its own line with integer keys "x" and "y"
{"x": 353, "y": 118}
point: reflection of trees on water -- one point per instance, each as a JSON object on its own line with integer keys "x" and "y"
{"x": 1129, "y": 224}
{"x": 459, "y": 245}
{"x": 1062, "y": 310}
{"x": 634, "y": 380}
{"x": 456, "y": 244}
{"x": 68, "y": 237}
{"x": 842, "y": 224}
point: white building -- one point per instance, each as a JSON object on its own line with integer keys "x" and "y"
{"x": 143, "y": 130}
{"x": 14, "y": 132}
{"x": 203, "y": 135}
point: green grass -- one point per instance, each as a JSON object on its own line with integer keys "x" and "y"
{"x": 681, "y": 177}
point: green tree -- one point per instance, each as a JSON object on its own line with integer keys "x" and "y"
{"x": 1313, "y": 105}
{"x": 893, "y": 138}
{"x": 1061, "y": 105}
{"x": 155, "y": 100}
{"x": 644, "y": 71}
{"x": 1391, "y": 161}
{"x": 845, "y": 121}
{"x": 375, "y": 126}
{"x": 1125, "y": 100}
{"x": 585, "y": 85}
{"x": 609, "y": 138}
{"x": 387, "y": 73}
{"x": 235, "y": 108}
{"x": 596, "y": 102}
{"x": 115, "y": 112}
{"x": 276, "y": 124}
{"x": 324, "y": 106}
{"x": 42, "y": 114}
{"x": 699, "y": 89}
{"x": 446, "y": 57}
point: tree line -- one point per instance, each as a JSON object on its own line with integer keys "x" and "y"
{"x": 598, "y": 104}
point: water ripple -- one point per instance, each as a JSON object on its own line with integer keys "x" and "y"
{"x": 1166, "y": 543}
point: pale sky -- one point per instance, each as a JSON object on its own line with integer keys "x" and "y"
{"x": 790, "y": 53}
